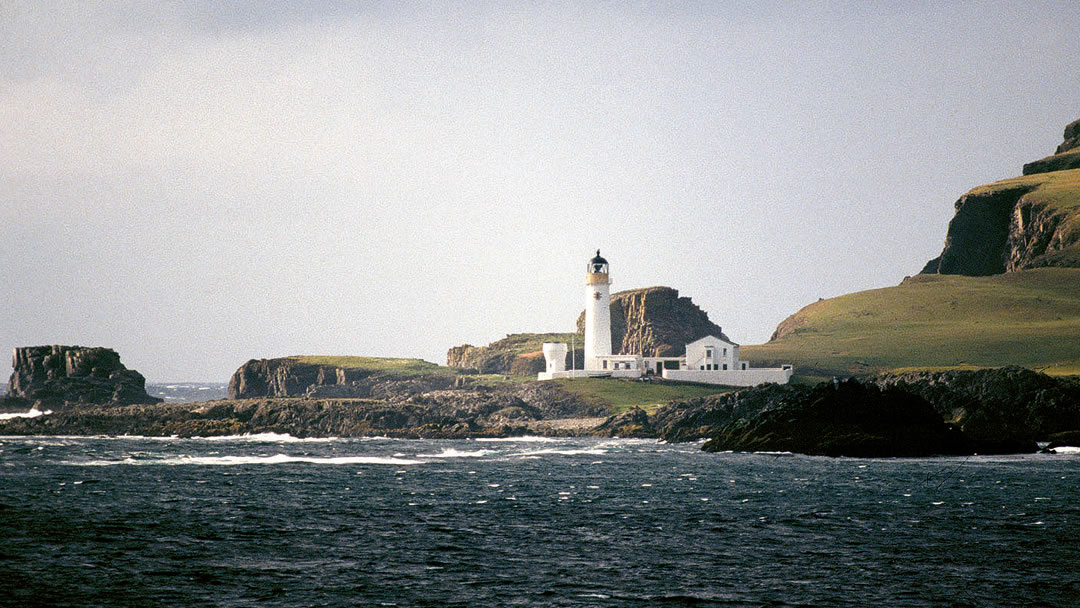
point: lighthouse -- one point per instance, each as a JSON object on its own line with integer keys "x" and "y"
{"x": 597, "y": 312}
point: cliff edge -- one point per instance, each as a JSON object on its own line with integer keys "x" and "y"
{"x": 1019, "y": 223}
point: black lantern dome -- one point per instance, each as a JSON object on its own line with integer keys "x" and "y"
{"x": 598, "y": 264}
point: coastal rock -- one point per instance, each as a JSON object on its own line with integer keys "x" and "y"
{"x": 633, "y": 423}
{"x": 446, "y": 413}
{"x": 1005, "y": 404}
{"x": 847, "y": 419}
{"x": 516, "y": 354}
{"x": 655, "y": 322}
{"x": 58, "y": 375}
{"x": 290, "y": 377}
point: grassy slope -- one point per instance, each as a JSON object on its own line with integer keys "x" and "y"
{"x": 398, "y": 366}
{"x": 621, "y": 395}
{"x": 1059, "y": 188}
{"x": 618, "y": 395}
{"x": 1029, "y": 318}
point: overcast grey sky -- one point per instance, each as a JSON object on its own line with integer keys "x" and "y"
{"x": 196, "y": 185}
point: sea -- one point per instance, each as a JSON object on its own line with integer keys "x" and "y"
{"x": 271, "y": 520}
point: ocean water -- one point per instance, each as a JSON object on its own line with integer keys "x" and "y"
{"x": 276, "y": 521}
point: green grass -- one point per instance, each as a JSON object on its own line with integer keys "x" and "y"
{"x": 1059, "y": 188}
{"x": 1029, "y": 318}
{"x": 529, "y": 343}
{"x": 620, "y": 395}
{"x": 399, "y": 366}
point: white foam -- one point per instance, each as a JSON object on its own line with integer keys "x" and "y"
{"x": 240, "y": 460}
{"x": 523, "y": 439}
{"x": 535, "y": 453}
{"x": 452, "y": 453}
{"x": 1067, "y": 449}
{"x": 33, "y": 413}
{"x": 270, "y": 437}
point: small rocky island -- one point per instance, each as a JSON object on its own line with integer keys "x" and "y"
{"x": 67, "y": 376}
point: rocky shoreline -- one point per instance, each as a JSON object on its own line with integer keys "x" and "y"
{"x": 998, "y": 411}
{"x": 88, "y": 392}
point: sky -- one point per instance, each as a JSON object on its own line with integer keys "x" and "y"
{"x": 199, "y": 184}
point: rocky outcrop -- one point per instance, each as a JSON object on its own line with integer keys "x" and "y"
{"x": 1017, "y": 223}
{"x": 1067, "y": 155}
{"x": 1010, "y": 403}
{"x": 631, "y": 424}
{"x": 978, "y": 238}
{"x": 516, "y": 354}
{"x": 846, "y": 419}
{"x": 58, "y": 375}
{"x": 290, "y": 377}
{"x": 987, "y": 411}
{"x": 655, "y": 322}
{"x": 457, "y": 413}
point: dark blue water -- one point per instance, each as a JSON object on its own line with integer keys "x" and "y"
{"x": 265, "y": 522}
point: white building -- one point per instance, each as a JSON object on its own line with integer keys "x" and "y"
{"x": 711, "y": 360}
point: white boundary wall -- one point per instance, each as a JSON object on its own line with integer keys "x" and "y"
{"x": 735, "y": 377}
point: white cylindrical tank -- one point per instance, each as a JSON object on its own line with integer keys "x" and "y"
{"x": 555, "y": 355}
{"x": 597, "y": 312}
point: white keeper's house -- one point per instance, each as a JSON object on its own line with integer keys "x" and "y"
{"x": 712, "y": 359}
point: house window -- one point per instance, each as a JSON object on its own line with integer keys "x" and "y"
{"x": 744, "y": 365}
{"x": 605, "y": 364}
{"x": 702, "y": 367}
{"x": 725, "y": 367}
{"x": 725, "y": 352}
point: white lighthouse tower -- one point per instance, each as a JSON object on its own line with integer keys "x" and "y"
{"x": 597, "y": 312}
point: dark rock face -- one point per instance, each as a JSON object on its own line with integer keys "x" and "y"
{"x": 633, "y": 423}
{"x": 655, "y": 322}
{"x": 1072, "y": 137}
{"x": 1064, "y": 158}
{"x": 1003, "y": 229}
{"x": 849, "y": 419}
{"x": 291, "y": 378}
{"x": 978, "y": 235}
{"x": 55, "y": 375}
{"x": 986, "y": 412}
{"x": 1010, "y": 403}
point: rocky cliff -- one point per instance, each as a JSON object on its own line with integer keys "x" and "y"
{"x": 296, "y": 377}
{"x": 516, "y": 354}
{"x": 57, "y": 375}
{"x": 655, "y": 322}
{"x": 1019, "y": 223}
